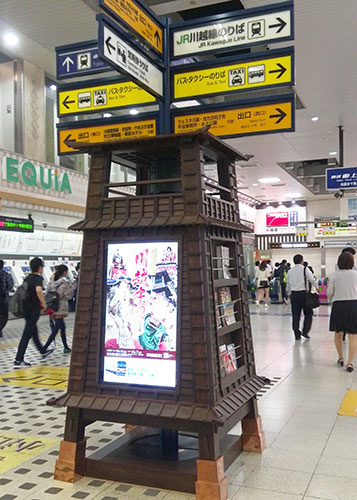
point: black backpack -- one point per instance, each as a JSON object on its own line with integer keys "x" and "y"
{"x": 52, "y": 301}
{"x": 20, "y": 300}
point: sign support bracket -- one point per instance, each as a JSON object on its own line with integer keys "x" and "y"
{"x": 165, "y": 103}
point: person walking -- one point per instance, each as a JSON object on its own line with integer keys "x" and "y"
{"x": 35, "y": 303}
{"x": 6, "y": 286}
{"x": 298, "y": 279}
{"x": 342, "y": 292}
{"x": 283, "y": 277}
{"x": 262, "y": 277}
{"x": 61, "y": 286}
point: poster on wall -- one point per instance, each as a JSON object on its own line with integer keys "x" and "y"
{"x": 141, "y": 313}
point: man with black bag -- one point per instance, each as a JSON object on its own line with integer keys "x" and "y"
{"x": 35, "y": 303}
{"x": 299, "y": 280}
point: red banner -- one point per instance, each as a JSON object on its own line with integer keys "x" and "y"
{"x": 274, "y": 219}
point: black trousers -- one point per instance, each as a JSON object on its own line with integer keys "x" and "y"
{"x": 30, "y": 331}
{"x": 298, "y": 304}
{"x": 56, "y": 326}
{"x": 4, "y": 315}
{"x": 283, "y": 290}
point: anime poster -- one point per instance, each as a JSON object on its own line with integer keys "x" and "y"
{"x": 141, "y": 314}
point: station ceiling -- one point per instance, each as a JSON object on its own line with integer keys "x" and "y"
{"x": 326, "y": 74}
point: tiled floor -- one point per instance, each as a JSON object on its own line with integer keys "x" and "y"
{"x": 311, "y": 453}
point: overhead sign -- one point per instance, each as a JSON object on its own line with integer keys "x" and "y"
{"x": 16, "y": 224}
{"x": 341, "y": 178}
{"x": 296, "y": 244}
{"x": 111, "y": 131}
{"x": 79, "y": 59}
{"x": 273, "y": 23}
{"x": 277, "y": 219}
{"x": 242, "y": 120}
{"x": 95, "y": 97}
{"x": 123, "y": 57}
{"x": 138, "y": 19}
{"x": 335, "y": 229}
{"x": 246, "y": 74}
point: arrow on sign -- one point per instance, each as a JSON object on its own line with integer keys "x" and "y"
{"x": 65, "y": 102}
{"x": 68, "y": 138}
{"x": 281, "y": 70}
{"x": 109, "y": 45}
{"x": 281, "y": 115}
{"x": 157, "y": 38}
{"x": 281, "y": 24}
{"x": 67, "y": 62}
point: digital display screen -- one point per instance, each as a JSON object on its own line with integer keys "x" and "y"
{"x": 16, "y": 224}
{"x": 141, "y": 313}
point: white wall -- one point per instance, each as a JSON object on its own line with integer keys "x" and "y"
{"x": 311, "y": 255}
{"x": 7, "y": 106}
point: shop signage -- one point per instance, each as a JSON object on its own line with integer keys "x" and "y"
{"x": 79, "y": 59}
{"x": 88, "y": 132}
{"x": 116, "y": 48}
{"x": 296, "y": 244}
{"x": 35, "y": 175}
{"x": 246, "y": 74}
{"x": 273, "y": 23}
{"x": 95, "y": 96}
{"x": 335, "y": 229}
{"x": 277, "y": 219}
{"x": 137, "y": 18}
{"x": 341, "y": 178}
{"x": 16, "y": 224}
{"x": 241, "y": 120}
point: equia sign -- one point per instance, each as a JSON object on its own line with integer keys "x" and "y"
{"x": 48, "y": 178}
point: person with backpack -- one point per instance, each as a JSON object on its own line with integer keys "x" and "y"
{"x": 6, "y": 286}
{"x": 30, "y": 304}
{"x": 63, "y": 291}
{"x": 283, "y": 277}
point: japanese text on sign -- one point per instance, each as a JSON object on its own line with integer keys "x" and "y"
{"x": 95, "y": 98}
{"x": 232, "y": 33}
{"x": 105, "y": 133}
{"x": 341, "y": 178}
{"x": 136, "y": 18}
{"x": 241, "y": 121}
{"x": 245, "y": 75}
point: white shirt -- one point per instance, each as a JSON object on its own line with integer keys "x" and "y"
{"x": 296, "y": 281}
{"x": 262, "y": 275}
{"x": 343, "y": 285}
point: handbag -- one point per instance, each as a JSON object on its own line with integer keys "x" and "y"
{"x": 312, "y": 299}
{"x": 52, "y": 301}
{"x": 263, "y": 283}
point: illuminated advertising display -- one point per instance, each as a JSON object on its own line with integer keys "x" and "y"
{"x": 277, "y": 219}
{"x": 141, "y": 314}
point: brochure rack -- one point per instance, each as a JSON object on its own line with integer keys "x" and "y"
{"x": 179, "y": 435}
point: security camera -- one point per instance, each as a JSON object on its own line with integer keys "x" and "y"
{"x": 44, "y": 224}
{"x": 337, "y": 195}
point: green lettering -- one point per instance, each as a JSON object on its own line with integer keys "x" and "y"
{"x": 28, "y": 174}
{"x": 48, "y": 184}
{"x": 65, "y": 185}
{"x": 11, "y": 170}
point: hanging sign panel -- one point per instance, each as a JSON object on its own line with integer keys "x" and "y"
{"x": 242, "y": 120}
{"x": 247, "y": 74}
{"x": 79, "y": 59}
{"x": 119, "y": 52}
{"x": 138, "y": 19}
{"x": 341, "y": 178}
{"x": 95, "y": 97}
{"x": 273, "y": 23}
{"x": 95, "y": 133}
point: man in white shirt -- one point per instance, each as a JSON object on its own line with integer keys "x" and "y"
{"x": 296, "y": 288}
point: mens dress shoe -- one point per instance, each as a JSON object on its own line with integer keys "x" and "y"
{"x": 305, "y": 335}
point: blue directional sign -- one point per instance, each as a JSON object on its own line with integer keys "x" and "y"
{"x": 79, "y": 59}
{"x": 341, "y": 178}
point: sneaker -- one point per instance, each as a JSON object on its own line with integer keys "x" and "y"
{"x": 266, "y": 307}
{"x": 21, "y": 364}
{"x": 67, "y": 350}
{"x": 257, "y": 303}
{"x": 47, "y": 353}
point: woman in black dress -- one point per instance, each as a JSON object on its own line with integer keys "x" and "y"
{"x": 342, "y": 291}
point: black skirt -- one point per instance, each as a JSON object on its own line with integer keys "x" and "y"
{"x": 344, "y": 316}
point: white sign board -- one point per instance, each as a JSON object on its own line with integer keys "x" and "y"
{"x": 124, "y": 58}
{"x": 233, "y": 33}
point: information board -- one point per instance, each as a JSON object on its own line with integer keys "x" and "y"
{"x": 341, "y": 178}
{"x": 141, "y": 313}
